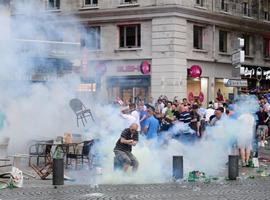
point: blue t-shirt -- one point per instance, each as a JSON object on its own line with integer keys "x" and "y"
{"x": 153, "y": 126}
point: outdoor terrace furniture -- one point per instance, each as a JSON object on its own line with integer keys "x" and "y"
{"x": 80, "y": 152}
{"x": 46, "y": 169}
{"x": 40, "y": 149}
{"x": 80, "y": 111}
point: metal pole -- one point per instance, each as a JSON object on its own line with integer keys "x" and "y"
{"x": 233, "y": 169}
{"x": 178, "y": 169}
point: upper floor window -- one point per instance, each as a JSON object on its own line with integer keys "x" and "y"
{"x": 246, "y": 47}
{"x": 200, "y": 2}
{"x": 130, "y": 35}
{"x": 91, "y": 38}
{"x": 266, "y": 9}
{"x": 198, "y": 37}
{"x": 53, "y": 4}
{"x": 224, "y": 5}
{"x": 90, "y": 2}
{"x": 266, "y": 47}
{"x": 223, "y": 41}
{"x": 129, "y": 1}
{"x": 246, "y": 8}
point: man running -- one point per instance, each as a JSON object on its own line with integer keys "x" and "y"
{"x": 123, "y": 147}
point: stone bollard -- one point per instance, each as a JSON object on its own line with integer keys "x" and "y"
{"x": 233, "y": 169}
{"x": 58, "y": 172}
{"x": 178, "y": 169}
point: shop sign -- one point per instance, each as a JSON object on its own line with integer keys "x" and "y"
{"x": 128, "y": 68}
{"x": 145, "y": 67}
{"x": 195, "y": 71}
{"x": 235, "y": 83}
{"x": 238, "y": 57}
{"x": 257, "y": 72}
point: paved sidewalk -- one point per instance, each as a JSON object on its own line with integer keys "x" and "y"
{"x": 253, "y": 184}
{"x": 247, "y": 189}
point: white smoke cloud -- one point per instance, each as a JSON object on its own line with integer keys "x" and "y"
{"x": 36, "y": 111}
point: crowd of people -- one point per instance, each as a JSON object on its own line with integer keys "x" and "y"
{"x": 155, "y": 118}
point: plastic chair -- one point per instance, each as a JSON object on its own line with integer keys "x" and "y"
{"x": 80, "y": 110}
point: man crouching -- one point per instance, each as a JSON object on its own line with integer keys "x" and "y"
{"x": 129, "y": 137}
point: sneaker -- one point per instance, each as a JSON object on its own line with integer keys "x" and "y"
{"x": 265, "y": 142}
{"x": 244, "y": 164}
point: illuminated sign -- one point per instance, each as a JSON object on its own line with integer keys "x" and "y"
{"x": 255, "y": 71}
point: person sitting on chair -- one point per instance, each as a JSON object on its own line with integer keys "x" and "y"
{"x": 129, "y": 137}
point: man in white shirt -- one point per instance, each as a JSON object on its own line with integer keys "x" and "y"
{"x": 135, "y": 114}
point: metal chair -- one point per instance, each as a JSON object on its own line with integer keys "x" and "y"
{"x": 40, "y": 150}
{"x": 80, "y": 110}
{"x": 80, "y": 152}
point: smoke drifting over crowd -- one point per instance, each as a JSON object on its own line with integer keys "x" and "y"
{"x": 41, "y": 110}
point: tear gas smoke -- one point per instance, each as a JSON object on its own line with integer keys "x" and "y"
{"x": 35, "y": 111}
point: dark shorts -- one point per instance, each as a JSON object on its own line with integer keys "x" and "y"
{"x": 127, "y": 158}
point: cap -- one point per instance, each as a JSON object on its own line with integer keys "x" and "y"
{"x": 150, "y": 107}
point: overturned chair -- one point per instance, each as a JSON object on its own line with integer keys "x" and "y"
{"x": 80, "y": 111}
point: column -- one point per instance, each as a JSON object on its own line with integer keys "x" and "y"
{"x": 169, "y": 65}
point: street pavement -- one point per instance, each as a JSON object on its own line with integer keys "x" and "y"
{"x": 247, "y": 189}
{"x": 253, "y": 184}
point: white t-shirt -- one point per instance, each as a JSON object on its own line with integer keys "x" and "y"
{"x": 129, "y": 119}
{"x": 136, "y": 115}
{"x": 209, "y": 112}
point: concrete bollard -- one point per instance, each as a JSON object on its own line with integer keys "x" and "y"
{"x": 233, "y": 169}
{"x": 178, "y": 167}
{"x": 58, "y": 172}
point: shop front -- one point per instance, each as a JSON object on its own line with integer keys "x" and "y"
{"x": 113, "y": 79}
{"x": 129, "y": 88}
{"x": 258, "y": 78}
{"x": 205, "y": 81}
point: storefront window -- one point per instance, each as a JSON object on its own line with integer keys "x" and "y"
{"x": 129, "y": 88}
{"x": 221, "y": 91}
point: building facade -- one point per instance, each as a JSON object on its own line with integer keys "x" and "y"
{"x": 137, "y": 49}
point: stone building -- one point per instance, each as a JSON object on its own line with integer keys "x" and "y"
{"x": 143, "y": 48}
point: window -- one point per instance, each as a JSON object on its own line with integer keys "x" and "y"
{"x": 224, "y": 5}
{"x": 53, "y": 4}
{"x": 91, "y": 38}
{"x": 246, "y": 9}
{"x": 266, "y": 47}
{"x": 223, "y": 41}
{"x": 129, "y": 1}
{"x": 198, "y": 37}
{"x": 246, "y": 47}
{"x": 200, "y": 2}
{"x": 130, "y": 36}
{"x": 266, "y": 9}
{"x": 90, "y": 2}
